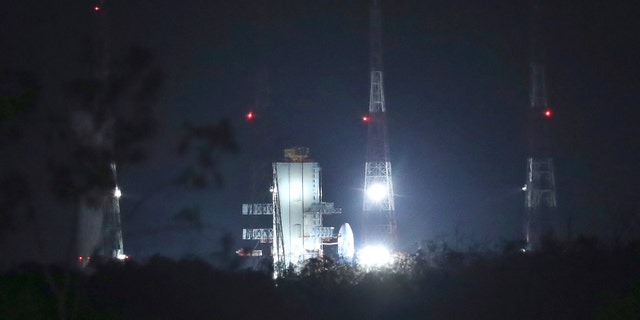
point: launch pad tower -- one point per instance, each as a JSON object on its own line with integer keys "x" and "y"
{"x": 540, "y": 188}
{"x": 99, "y": 225}
{"x": 297, "y": 232}
{"x": 379, "y": 221}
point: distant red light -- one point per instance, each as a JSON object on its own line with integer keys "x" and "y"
{"x": 80, "y": 258}
{"x": 547, "y": 113}
{"x": 365, "y": 118}
{"x": 250, "y": 115}
{"x": 96, "y": 8}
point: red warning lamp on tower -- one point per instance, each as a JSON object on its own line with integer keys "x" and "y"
{"x": 96, "y": 8}
{"x": 365, "y": 118}
{"x": 547, "y": 113}
{"x": 249, "y": 115}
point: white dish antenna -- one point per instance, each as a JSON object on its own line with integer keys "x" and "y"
{"x": 346, "y": 248}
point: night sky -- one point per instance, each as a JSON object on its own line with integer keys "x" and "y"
{"x": 456, "y": 89}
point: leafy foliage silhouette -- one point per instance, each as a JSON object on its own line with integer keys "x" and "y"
{"x": 577, "y": 282}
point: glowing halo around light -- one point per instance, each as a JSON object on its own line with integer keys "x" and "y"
{"x": 377, "y": 192}
{"x": 374, "y": 256}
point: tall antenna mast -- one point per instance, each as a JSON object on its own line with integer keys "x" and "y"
{"x": 113, "y": 238}
{"x": 379, "y": 222}
{"x": 540, "y": 190}
{"x": 99, "y": 222}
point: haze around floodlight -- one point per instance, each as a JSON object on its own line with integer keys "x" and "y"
{"x": 374, "y": 256}
{"x": 377, "y": 192}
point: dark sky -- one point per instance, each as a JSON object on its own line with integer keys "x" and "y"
{"x": 456, "y": 89}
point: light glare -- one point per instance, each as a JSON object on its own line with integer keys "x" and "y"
{"x": 374, "y": 256}
{"x": 377, "y": 192}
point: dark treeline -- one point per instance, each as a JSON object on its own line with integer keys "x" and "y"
{"x": 579, "y": 280}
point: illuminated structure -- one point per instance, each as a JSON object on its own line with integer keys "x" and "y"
{"x": 99, "y": 222}
{"x": 297, "y": 232}
{"x": 379, "y": 221}
{"x": 346, "y": 245}
{"x": 540, "y": 189}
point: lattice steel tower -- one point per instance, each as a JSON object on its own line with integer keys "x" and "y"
{"x": 99, "y": 220}
{"x": 540, "y": 189}
{"x": 379, "y": 221}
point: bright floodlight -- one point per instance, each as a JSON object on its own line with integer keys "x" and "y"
{"x": 374, "y": 256}
{"x": 377, "y": 192}
{"x": 117, "y": 193}
{"x": 121, "y": 256}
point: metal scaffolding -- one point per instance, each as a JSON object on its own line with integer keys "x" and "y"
{"x": 379, "y": 221}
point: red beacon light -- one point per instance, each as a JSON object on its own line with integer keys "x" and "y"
{"x": 547, "y": 113}
{"x": 365, "y": 118}
{"x": 249, "y": 116}
{"x": 96, "y": 8}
